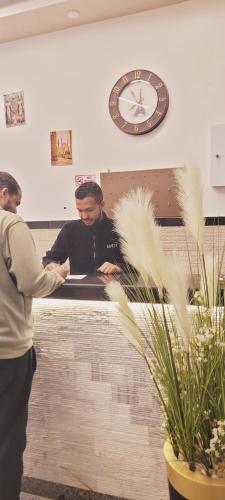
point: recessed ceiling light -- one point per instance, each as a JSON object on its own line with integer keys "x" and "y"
{"x": 73, "y": 14}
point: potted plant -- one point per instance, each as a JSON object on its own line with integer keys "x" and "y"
{"x": 182, "y": 339}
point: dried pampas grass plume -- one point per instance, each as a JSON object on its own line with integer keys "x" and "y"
{"x": 140, "y": 235}
{"x": 177, "y": 290}
{"x": 116, "y": 294}
{"x": 209, "y": 280}
{"x": 190, "y": 199}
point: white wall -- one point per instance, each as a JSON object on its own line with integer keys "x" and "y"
{"x": 67, "y": 77}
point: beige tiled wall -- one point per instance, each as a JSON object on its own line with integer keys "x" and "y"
{"x": 177, "y": 240}
{"x": 174, "y": 240}
{"x": 44, "y": 238}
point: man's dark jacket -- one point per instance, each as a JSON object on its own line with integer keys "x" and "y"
{"x": 87, "y": 247}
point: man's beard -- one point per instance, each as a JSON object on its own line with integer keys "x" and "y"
{"x": 93, "y": 224}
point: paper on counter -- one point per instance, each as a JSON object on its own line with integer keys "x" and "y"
{"x": 75, "y": 276}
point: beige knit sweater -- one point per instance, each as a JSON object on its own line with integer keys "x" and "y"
{"x": 21, "y": 277}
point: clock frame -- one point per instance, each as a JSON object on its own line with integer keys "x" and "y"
{"x": 161, "y": 107}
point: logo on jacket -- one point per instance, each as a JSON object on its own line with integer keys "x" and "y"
{"x": 112, "y": 245}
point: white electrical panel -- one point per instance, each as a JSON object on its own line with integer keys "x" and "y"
{"x": 217, "y": 173}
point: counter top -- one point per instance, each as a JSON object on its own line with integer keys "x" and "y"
{"x": 92, "y": 287}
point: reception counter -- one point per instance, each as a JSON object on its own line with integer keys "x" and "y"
{"x": 93, "y": 422}
{"x": 92, "y": 287}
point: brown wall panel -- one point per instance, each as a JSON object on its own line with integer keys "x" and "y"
{"x": 161, "y": 182}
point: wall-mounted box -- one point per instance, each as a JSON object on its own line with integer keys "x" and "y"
{"x": 217, "y": 174}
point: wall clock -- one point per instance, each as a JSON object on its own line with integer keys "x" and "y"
{"x": 138, "y": 102}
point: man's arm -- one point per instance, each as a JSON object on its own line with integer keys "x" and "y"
{"x": 58, "y": 253}
{"x": 119, "y": 264}
{"x": 24, "y": 265}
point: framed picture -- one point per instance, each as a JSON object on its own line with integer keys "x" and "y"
{"x": 14, "y": 109}
{"x": 61, "y": 147}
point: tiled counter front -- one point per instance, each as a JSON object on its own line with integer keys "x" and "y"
{"x": 92, "y": 422}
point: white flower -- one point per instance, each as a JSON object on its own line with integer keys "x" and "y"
{"x": 201, "y": 338}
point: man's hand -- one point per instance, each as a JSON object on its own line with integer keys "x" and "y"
{"x": 51, "y": 266}
{"x": 61, "y": 270}
{"x": 108, "y": 268}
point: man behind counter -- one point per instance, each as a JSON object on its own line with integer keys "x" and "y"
{"x": 91, "y": 243}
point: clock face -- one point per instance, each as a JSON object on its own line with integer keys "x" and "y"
{"x": 138, "y": 102}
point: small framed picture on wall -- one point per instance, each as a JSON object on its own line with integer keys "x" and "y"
{"x": 14, "y": 109}
{"x": 61, "y": 147}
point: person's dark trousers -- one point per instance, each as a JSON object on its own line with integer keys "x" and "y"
{"x": 15, "y": 385}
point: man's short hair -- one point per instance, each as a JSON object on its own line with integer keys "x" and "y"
{"x": 89, "y": 189}
{"x": 8, "y": 181}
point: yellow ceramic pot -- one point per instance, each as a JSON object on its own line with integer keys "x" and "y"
{"x": 191, "y": 485}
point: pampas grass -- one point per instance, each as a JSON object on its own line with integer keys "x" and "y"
{"x": 177, "y": 286}
{"x": 116, "y": 294}
{"x": 209, "y": 280}
{"x": 183, "y": 345}
{"x": 190, "y": 200}
{"x": 134, "y": 221}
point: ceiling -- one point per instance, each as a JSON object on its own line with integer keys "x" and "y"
{"x": 24, "y": 18}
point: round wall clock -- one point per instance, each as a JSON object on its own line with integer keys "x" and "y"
{"x": 138, "y": 102}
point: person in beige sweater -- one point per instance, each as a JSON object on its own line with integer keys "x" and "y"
{"x": 22, "y": 277}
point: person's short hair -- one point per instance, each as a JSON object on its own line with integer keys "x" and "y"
{"x": 8, "y": 181}
{"x": 89, "y": 189}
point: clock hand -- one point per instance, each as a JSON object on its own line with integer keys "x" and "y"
{"x": 141, "y": 99}
{"x": 132, "y": 102}
{"x": 133, "y": 94}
